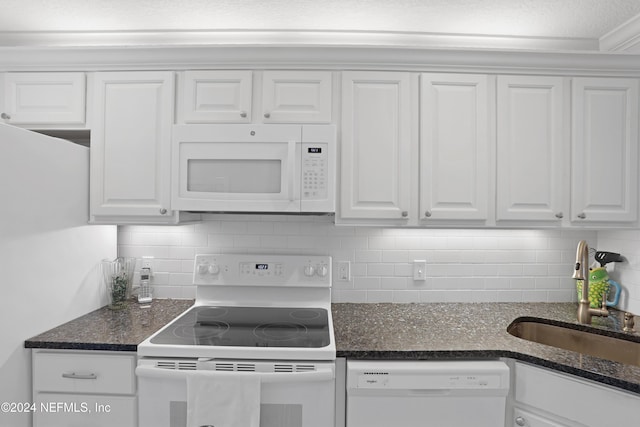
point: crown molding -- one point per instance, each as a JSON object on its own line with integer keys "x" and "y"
{"x": 626, "y": 37}
{"x": 272, "y": 56}
{"x": 289, "y": 38}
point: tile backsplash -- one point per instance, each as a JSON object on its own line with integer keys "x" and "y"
{"x": 462, "y": 265}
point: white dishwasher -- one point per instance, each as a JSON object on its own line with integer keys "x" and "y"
{"x": 426, "y": 393}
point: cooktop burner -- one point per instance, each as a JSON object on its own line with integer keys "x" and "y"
{"x": 248, "y": 327}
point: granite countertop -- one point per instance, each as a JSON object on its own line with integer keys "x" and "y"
{"x": 474, "y": 330}
{"x": 113, "y": 330}
{"x": 386, "y": 331}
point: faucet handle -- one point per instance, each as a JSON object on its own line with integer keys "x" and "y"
{"x": 629, "y": 322}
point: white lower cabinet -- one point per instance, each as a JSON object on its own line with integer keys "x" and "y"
{"x": 523, "y": 418}
{"x": 84, "y": 388}
{"x": 545, "y": 398}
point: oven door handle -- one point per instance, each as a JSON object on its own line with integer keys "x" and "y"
{"x": 322, "y": 374}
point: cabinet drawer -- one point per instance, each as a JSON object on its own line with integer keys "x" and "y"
{"x": 84, "y": 373}
{"x": 71, "y": 410}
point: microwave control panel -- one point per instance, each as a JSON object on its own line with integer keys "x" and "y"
{"x": 315, "y": 171}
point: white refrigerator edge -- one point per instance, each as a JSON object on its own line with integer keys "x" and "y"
{"x": 49, "y": 255}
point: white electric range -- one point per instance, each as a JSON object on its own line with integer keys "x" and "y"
{"x": 267, "y": 316}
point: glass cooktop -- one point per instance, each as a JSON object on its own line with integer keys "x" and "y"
{"x": 248, "y": 327}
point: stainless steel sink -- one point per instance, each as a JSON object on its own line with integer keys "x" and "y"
{"x": 582, "y": 341}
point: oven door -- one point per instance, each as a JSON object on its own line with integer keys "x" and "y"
{"x": 293, "y": 394}
{"x": 242, "y": 168}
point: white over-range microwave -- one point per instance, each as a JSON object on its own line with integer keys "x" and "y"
{"x": 253, "y": 168}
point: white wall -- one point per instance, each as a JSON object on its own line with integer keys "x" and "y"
{"x": 626, "y": 243}
{"x": 462, "y": 265}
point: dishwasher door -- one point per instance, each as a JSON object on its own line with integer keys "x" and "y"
{"x": 426, "y": 394}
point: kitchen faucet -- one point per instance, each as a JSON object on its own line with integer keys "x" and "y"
{"x": 582, "y": 273}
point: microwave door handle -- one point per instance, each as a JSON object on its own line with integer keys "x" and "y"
{"x": 292, "y": 168}
{"x": 325, "y": 374}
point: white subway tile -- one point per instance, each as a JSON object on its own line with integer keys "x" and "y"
{"x": 462, "y": 265}
{"x": 380, "y": 269}
{"x": 368, "y": 256}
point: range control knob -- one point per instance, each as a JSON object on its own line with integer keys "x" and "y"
{"x": 202, "y": 268}
{"x": 309, "y": 271}
{"x": 322, "y": 270}
{"x": 213, "y": 269}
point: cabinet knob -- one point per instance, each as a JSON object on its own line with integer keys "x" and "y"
{"x": 427, "y": 214}
{"x": 5, "y": 116}
{"x": 559, "y": 215}
{"x": 267, "y": 115}
{"x": 163, "y": 211}
{"x": 405, "y": 214}
{"x": 243, "y": 114}
{"x": 582, "y": 215}
{"x": 520, "y": 421}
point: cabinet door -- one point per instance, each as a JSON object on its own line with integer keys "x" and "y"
{"x": 604, "y": 150}
{"x": 376, "y": 145}
{"x": 44, "y": 98}
{"x": 454, "y": 146}
{"x": 73, "y": 410}
{"x": 565, "y": 397}
{"x": 296, "y": 97}
{"x": 215, "y": 96}
{"x": 531, "y": 148}
{"x": 130, "y": 144}
{"x": 522, "y": 418}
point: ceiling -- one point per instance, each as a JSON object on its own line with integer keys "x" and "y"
{"x": 573, "y": 24}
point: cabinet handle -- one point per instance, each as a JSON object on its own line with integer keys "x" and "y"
{"x": 582, "y": 215}
{"x": 405, "y": 214}
{"x": 520, "y": 421}
{"x": 559, "y": 215}
{"x": 5, "y": 116}
{"x": 75, "y": 376}
{"x": 427, "y": 214}
{"x": 267, "y": 115}
{"x": 243, "y": 114}
{"x": 163, "y": 211}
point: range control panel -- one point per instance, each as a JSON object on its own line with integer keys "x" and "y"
{"x": 257, "y": 270}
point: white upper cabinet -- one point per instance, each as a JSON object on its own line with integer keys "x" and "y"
{"x": 604, "y": 179}
{"x": 215, "y": 96}
{"x": 455, "y": 149}
{"x": 44, "y": 99}
{"x": 230, "y": 96}
{"x": 296, "y": 97}
{"x": 377, "y": 140}
{"x": 531, "y": 148}
{"x": 130, "y": 147}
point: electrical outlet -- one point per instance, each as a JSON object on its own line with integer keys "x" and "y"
{"x": 344, "y": 271}
{"x": 420, "y": 270}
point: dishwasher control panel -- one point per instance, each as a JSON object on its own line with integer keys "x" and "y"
{"x": 427, "y": 375}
